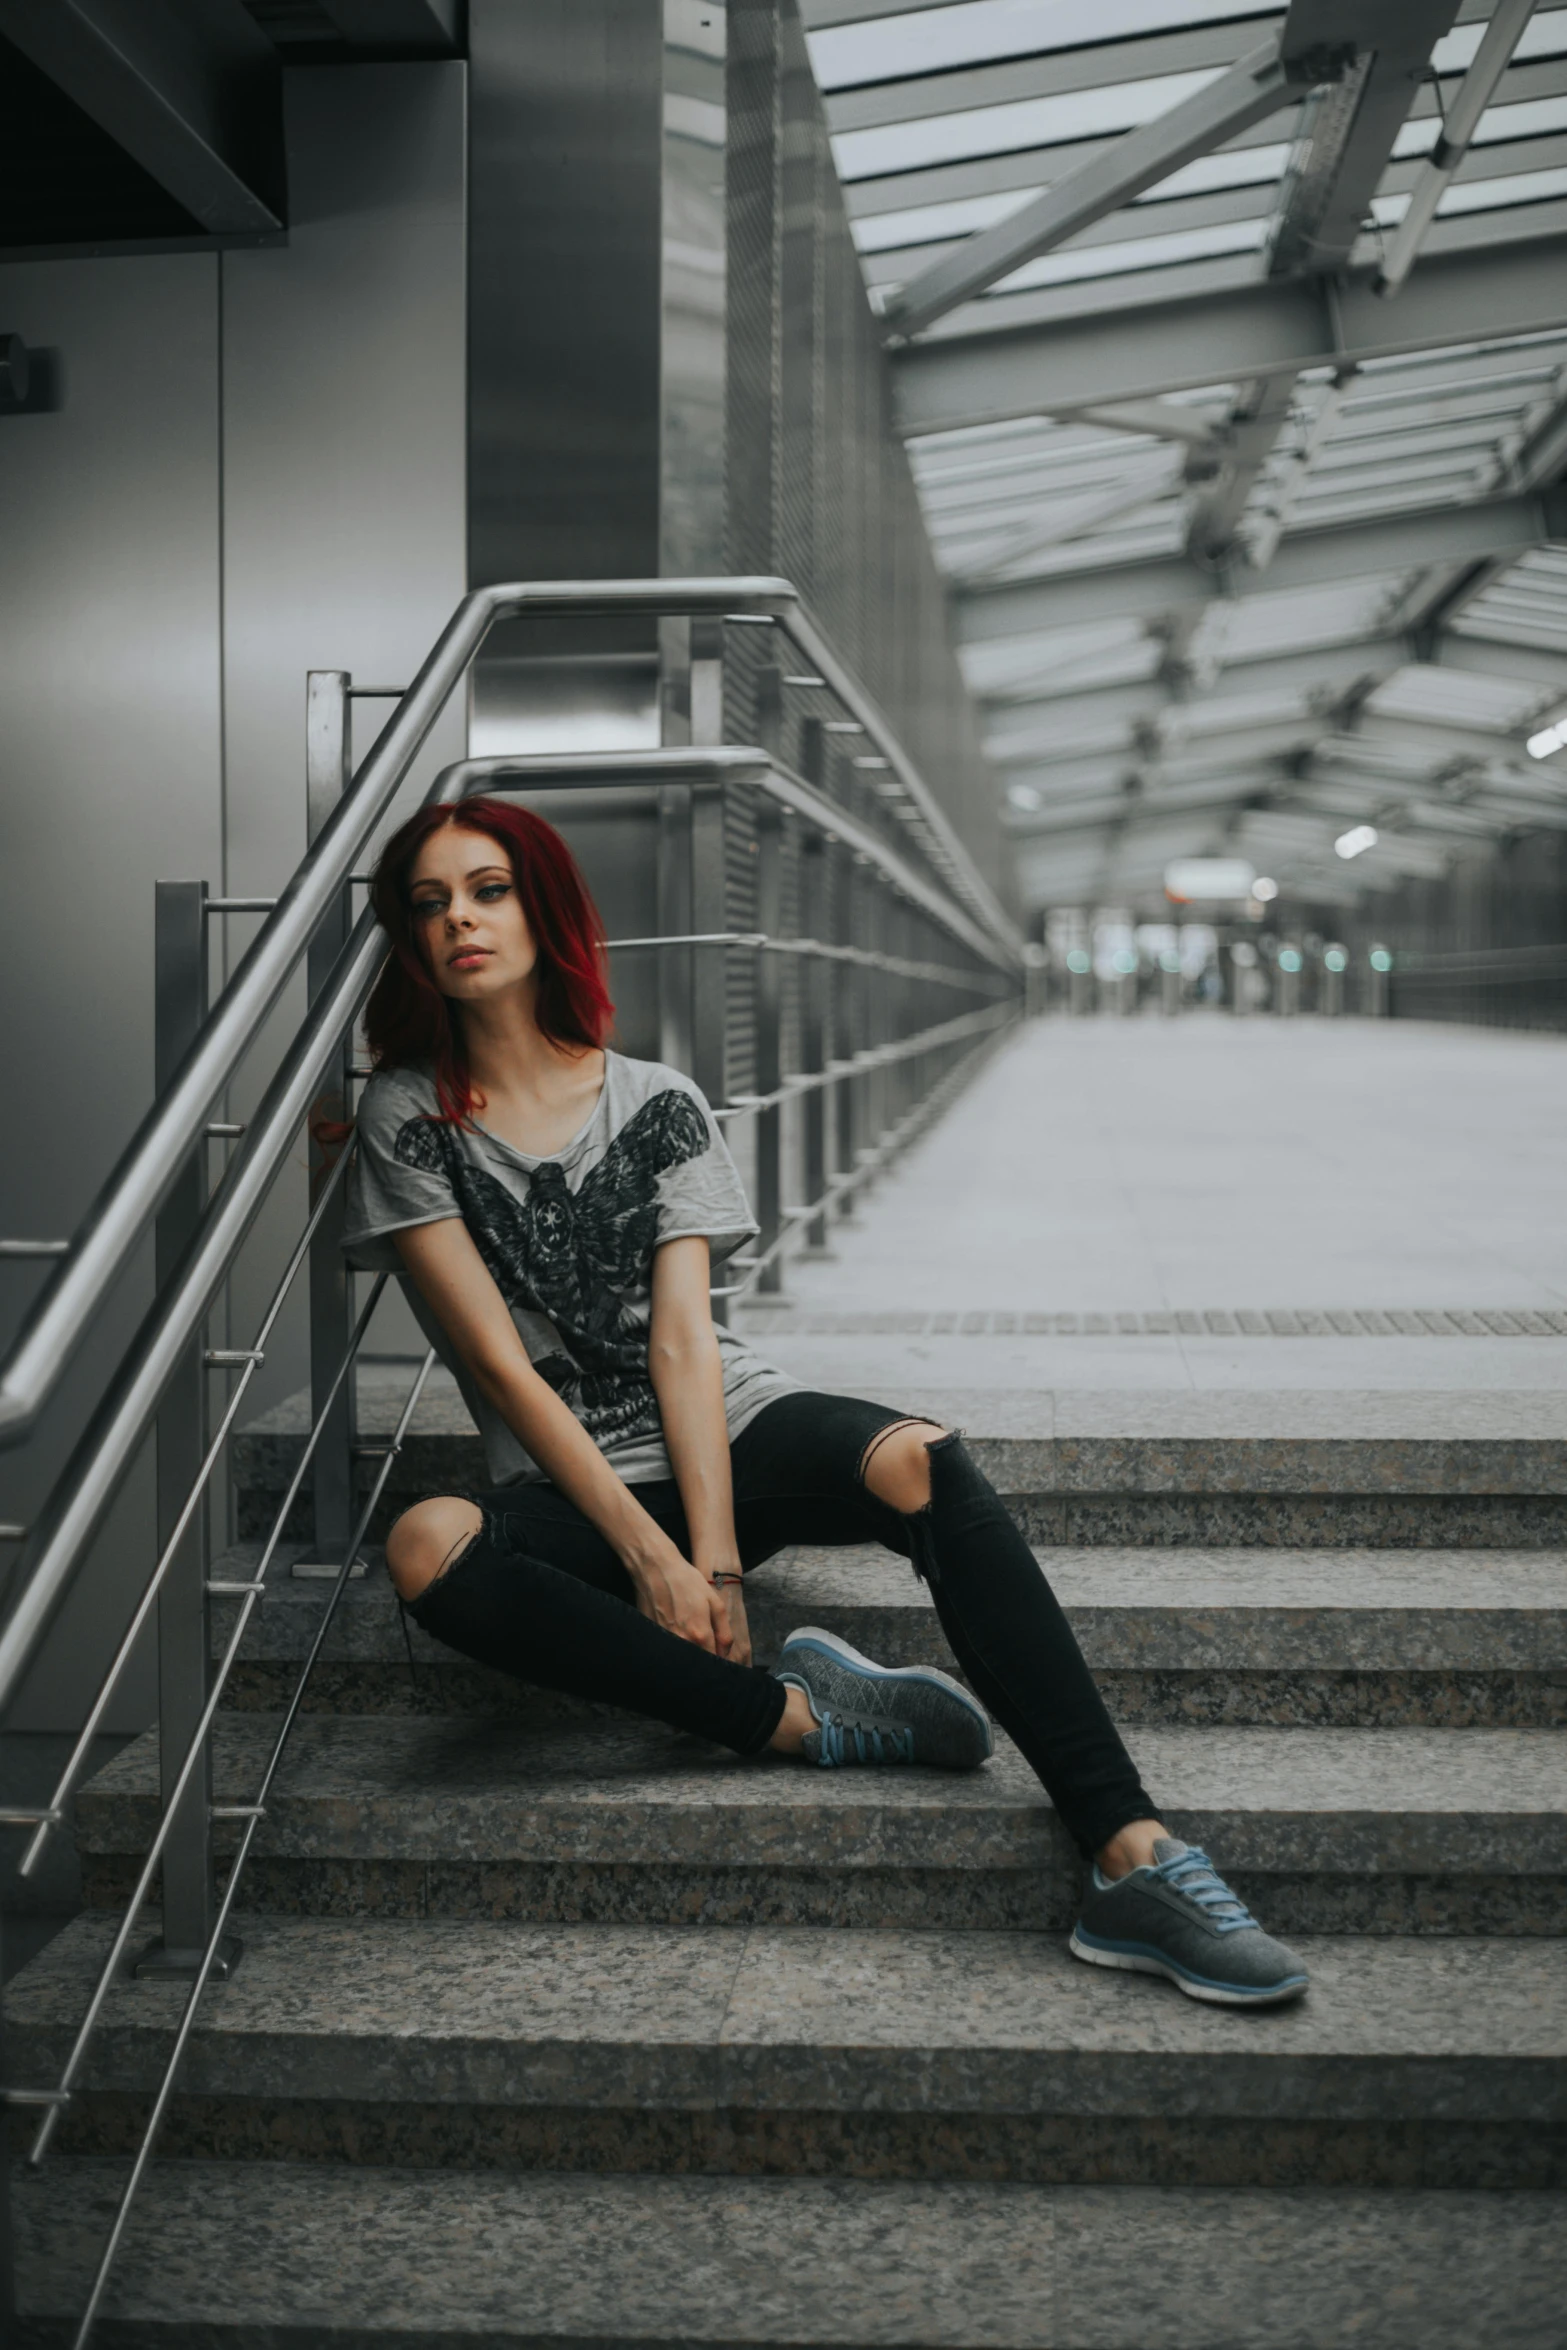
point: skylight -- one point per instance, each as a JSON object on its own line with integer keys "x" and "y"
{"x": 1002, "y": 130}
{"x": 1194, "y": 244}
{"x": 928, "y": 40}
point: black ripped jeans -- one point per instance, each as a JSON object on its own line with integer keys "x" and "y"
{"x": 541, "y": 1594}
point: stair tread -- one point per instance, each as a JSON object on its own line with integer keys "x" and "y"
{"x": 490, "y": 2012}
{"x": 1281, "y": 1610}
{"x": 988, "y": 1414}
{"x": 465, "y": 1786}
{"x": 579, "y": 2262}
{"x": 1174, "y": 1440}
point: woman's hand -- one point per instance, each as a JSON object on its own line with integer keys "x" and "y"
{"x": 674, "y": 1594}
{"x": 739, "y": 1629}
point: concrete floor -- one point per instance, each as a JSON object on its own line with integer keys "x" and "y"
{"x": 1105, "y": 1166}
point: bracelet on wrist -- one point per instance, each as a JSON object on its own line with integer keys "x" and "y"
{"x": 723, "y": 1575}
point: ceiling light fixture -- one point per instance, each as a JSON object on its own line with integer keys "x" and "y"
{"x": 1551, "y": 738}
{"x": 1264, "y": 889}
{"x": 1356, "y": 841}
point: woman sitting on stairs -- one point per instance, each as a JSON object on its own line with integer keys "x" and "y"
{"x": 557, "y": 1209}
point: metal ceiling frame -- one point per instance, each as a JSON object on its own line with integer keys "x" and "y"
{"x": 1396, "y": 467}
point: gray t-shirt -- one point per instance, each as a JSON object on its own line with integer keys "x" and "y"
{"x": 569, "y": 1240}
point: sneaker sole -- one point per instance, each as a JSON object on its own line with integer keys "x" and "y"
{"x": 1140, "y": 1959}
{"x": 812, "y": 1636}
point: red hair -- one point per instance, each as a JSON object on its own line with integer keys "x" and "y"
{"x": 409, "y": 1020}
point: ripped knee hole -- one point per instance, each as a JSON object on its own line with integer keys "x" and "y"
{"x": 427, "y": 1541}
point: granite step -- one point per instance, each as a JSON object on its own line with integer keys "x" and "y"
{"x": 1299, "y": 1468}
{"x": 1358, "y": 1831}
{"x": 297, "y": 2255}
{"x": 883, "y": 2054}
{"x": 1343, "y": 1638}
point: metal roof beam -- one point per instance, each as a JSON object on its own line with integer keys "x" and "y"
{"x": 1219, "y": 749}
{"x": 193, "y": 95}
{"x": 1269, "y": 328}
{"x": 1347, "y": 132}
{"x": 1382, "y": 546}
{"x": 1257, "y": 85}
{"x": 1329, "y": 669}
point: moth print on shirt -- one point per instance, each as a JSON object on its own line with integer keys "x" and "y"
{"x": 565, "y": 1254}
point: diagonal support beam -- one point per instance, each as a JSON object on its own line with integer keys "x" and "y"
{"x": 1164, "y": 420}
{"x": 1257, "y": 86}
{"x": 1501, "y": 37}
{"x": 193, "y": 92}
{"x": 1256, "y": 422}
{"x": 1075, "y": 521}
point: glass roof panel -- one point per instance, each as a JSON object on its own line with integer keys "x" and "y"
{"x": 1520, "y": 187}
{"x": 1429, "y": 691}
{"x": 922, "y": 224}
{"x": 1025, "y": 122}
{"x": 927, "y": 40}
{"x": 1194, "y": 244}
{"x": 1545, "y": 35}
{"x": 1038, "y": 497}
{"x": 1528, "y": 118}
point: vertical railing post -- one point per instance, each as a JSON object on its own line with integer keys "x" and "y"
{"x": 709, "y": 994}
{"x": 692, "y": 667}
{"x": 327, "y": 769}
{"x": 815, "y": 1013}
{"x": 816, "y": 984}
{"x": 184, "y": 1629}
{"x": 769, "y": 987}
{"x": 850, "y": 1003}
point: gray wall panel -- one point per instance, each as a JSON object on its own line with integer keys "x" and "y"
{"x": 251, "y": 475}
{"x": 344, "y": 483}
{"x": 109, "y": 684}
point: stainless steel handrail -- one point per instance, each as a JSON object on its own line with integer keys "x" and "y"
{"x": 133, "y": 1192}
{"x": 896, "y": 1138}
{"x": 252, "y": 1814}
{"x": 252, "y": 1360}
{"x": 767, "y": 774}
{"x": 111, "y": 1964}
{"x": 83, "y": 1493}
{"x": 874, "y": 1056}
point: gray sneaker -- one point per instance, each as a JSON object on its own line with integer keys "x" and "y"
{"x": 1179, "y": 1918}
{"x": 869, "y": 1713}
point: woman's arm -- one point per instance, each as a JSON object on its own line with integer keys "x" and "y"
{"x": 456, "y": 1284}
{"x": 688, "y": 1379}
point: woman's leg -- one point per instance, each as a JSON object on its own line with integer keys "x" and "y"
{"x": 912, "y": 1485}
{"x": 485, "y": 1581}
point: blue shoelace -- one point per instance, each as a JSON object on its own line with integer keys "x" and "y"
{"x": 853, "y": 1738}
{"x": 1193, "y": 1873}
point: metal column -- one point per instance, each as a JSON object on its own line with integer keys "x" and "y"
{"x": 184, "y": 1628}
{"x": 327, "y": 770}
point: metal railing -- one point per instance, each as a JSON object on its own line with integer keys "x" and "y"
{"x": 865, "y": 1043}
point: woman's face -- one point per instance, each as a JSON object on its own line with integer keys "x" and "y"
{"x": 467, "y": 917}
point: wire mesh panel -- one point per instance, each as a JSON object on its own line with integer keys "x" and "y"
{"x": 818, "y": 487}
